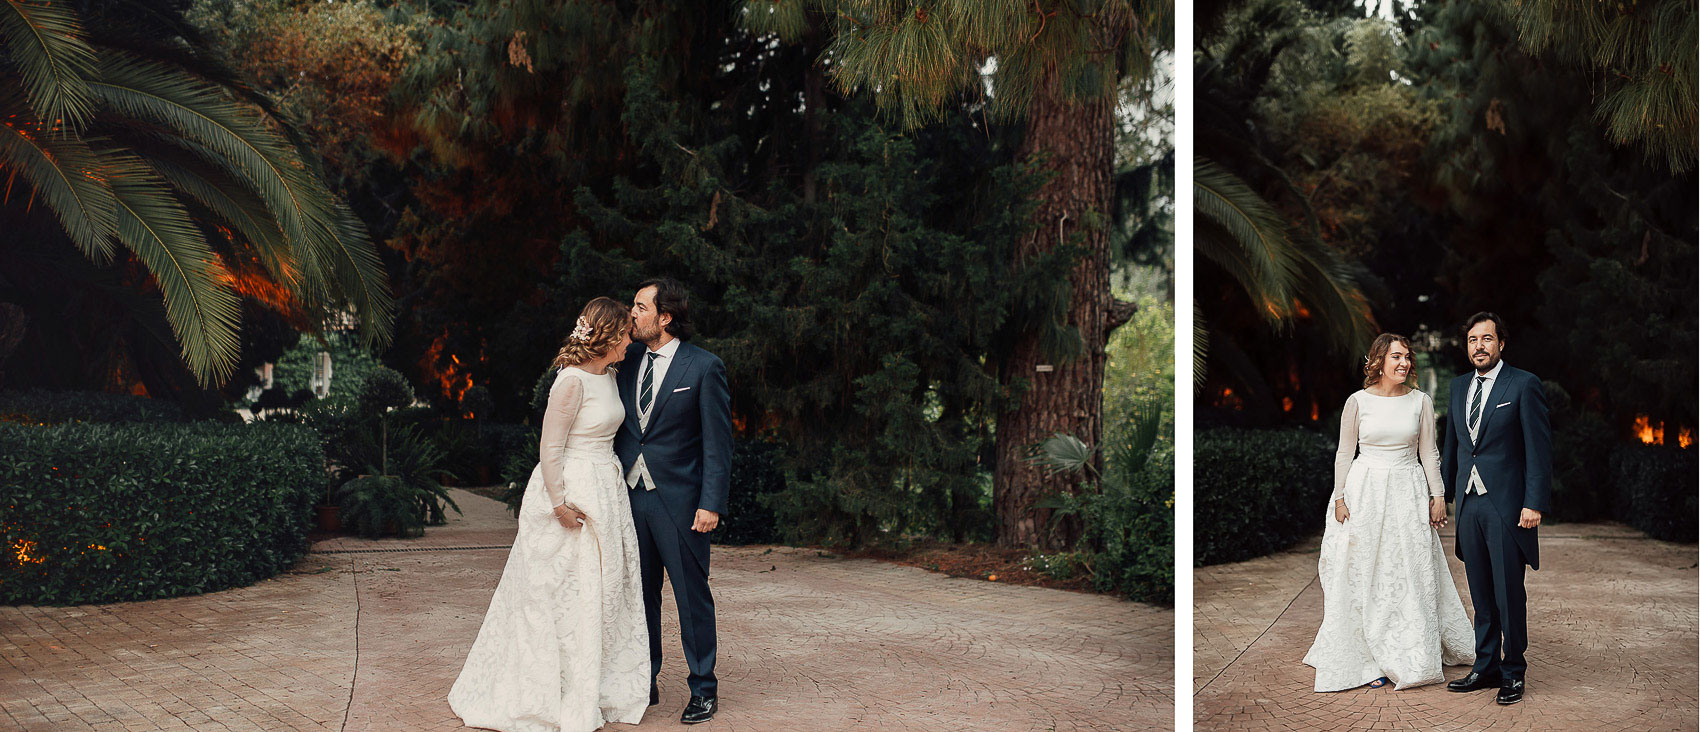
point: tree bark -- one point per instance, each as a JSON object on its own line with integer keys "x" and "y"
{"x": 1075, "y": 138}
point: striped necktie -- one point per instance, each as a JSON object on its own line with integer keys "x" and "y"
{"x": 1476, "y": 405}
{"x": 646, "y": 390}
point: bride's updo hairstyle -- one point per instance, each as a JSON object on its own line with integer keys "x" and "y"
{"x": 1378, "y": 356}
{"x": 600, "y": 326}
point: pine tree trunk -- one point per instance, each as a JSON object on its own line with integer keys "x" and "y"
{"x": 1076, "y": 139}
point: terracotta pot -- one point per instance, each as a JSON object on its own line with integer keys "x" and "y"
{"x": 328, "y": 519}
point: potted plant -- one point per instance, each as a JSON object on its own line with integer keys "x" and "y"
{"x": 401, "y": 491}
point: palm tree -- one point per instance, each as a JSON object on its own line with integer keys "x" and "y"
{"x": 134, "y": 141}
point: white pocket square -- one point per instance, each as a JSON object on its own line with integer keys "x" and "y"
{"x": 1502, "y": 405}
{"x": 686, "y": 388}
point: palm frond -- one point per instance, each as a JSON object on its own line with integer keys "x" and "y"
{"x": 359, "y": 274}
{"x": 203, "y": 311}
{"x": 1200, "y": 346}
{"x": 230, "y": 200}
{"x": 1328, "y": 286}
{"x": 63, "y": 171}
{"x": 46, "y": 43}
{"x": 1249, "y": 239}
{"x": 1064, "y": 453}
{"x": 196, "y": 110}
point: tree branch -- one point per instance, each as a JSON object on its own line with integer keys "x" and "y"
{"x": 1119, "y": 312}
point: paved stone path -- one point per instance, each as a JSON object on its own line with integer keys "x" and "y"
{"x": 359, "y": 636}
{"x": 1612, "y": 644}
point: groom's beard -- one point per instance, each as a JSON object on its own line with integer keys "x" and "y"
{"x": 646, "y": 337}
{"x": 1492, "y": 361}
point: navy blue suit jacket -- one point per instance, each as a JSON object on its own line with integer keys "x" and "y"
{"x": 1513, "y": 455}
{"x": 688, "y": 446}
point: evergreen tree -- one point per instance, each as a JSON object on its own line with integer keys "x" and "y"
{"x": 1058, "y": 71}
{"x": 1640, "y": 54}
{"x": 857, "y": 326}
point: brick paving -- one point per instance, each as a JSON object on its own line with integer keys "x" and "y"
{"x": 1612, "y": 644}
{"x": 360, "y": 637}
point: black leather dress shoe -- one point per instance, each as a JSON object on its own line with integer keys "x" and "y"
{"x": 701, "y": 709}
{"x": 1473, "y": 682}
{"x": 654, "y": 696}
{"x": 1510, "y": 692}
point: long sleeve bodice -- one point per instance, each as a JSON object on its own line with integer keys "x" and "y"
{"x": 1388, "y": 431}
{"x": 583, "y": 413}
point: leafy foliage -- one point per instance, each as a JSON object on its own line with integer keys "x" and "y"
{"x": 401, "y": 493}
{"x": 132, "y": 135}
{"x": 117, "y": 512}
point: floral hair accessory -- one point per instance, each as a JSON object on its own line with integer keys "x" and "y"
{"x": 582, "y": 332}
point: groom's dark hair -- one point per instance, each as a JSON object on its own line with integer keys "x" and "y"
{"x": 673, "y": 299}
{"x": 1481, "y": 317}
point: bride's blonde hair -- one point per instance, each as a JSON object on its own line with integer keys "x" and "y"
{"x": 1378, "y": 356}
{"x": 600, "y": 326}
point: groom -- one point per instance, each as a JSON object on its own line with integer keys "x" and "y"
{"x": 676, "y": 447}
{"x": 1498, "y": 462}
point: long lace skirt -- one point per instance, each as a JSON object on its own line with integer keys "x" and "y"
{"x": 1389, "y": 605}
{"x": 564, "y": 645}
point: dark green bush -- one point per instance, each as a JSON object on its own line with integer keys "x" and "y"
{"x": 1581, "y": 460}
{"x": 1656, "y": 490}
{"x": 756, "y": 473}
{"x": 1129, "y": 521}
{"x": 140, "y": 511}
{"x": 1257, "y": 491}
{"x": 40, "y": 406}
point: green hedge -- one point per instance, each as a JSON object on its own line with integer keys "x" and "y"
{"x": 134, "y": 512}
{"x": 1257, "y": 491}
{"x": 40, "y": 406}
{"x": 1656, "y": 490}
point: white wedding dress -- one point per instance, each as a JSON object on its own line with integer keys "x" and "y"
{"x": 564, "y": 645}
{"x": 1389, "y": 606}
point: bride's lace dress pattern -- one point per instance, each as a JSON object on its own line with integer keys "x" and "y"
{"x": 564, "y": 645}
{"x": 1390, "y": 607}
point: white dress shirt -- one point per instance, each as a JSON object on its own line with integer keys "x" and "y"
{"x": 664, "y": 358}
{"x": 1486, "y": 388}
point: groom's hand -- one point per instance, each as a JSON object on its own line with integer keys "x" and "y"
{"x": 707, "y": 520}
{"x": 1530, "y": 518}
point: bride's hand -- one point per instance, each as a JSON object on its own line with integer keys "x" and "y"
{"x": 1437, "y": 512}
{"x": 1340, "y": 512}
{"x": 570, "y": 517}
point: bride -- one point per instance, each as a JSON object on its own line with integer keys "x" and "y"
{"x": 1390, "y": 610}
{"x": 564, "y": 645}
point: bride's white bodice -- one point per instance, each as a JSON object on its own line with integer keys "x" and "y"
{"x": 599, "y": 412}
{"x": 1388, "y": 432}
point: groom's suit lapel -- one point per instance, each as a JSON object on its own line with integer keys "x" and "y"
{"x": 1501, "y": 386}
{"x": 675, "y": 373}
{"x": 1460, "y": 407}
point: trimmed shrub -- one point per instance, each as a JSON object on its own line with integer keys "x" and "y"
{"x": 1257, "y": 491}
{"x": 41, "y": 406}
{"x": 104, "y": 513}
{"x": 1656, "y": 490}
